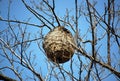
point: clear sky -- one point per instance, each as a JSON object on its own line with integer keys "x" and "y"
{"x": 19, "y": 12}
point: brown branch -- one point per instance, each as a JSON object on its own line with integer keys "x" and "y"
{"x": 93, "y": 40}
{"x": 111, "y": 29}
{"x": 5, "y": 78}
{"x": 83, "y": 52}
{"x": 103, "y": 20}
{"x": 11, "y": 62}
{"x": 26, "y": 41}
{"x": 108, "y": 33}
{"x": 17, "y": 21}
{"x": 39, "y": 16}
{"x": 9, "y": 24}
{"x": 68, "y": 73}
{"x": 53, "y": 10}
{"x": 76, "y": 20}
{"x": 80, "y": 70}
{"x": 71, "y": 68}
{"x": 25, "y": 64}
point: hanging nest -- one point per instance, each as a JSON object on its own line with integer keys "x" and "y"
{"x": 56, "y": 45}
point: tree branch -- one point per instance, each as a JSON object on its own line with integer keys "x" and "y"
{"x": 40, "y": 17}
{"x": 5, "y": 78}
{"x": 26, "y": 65}
{"x": 83, "y": 52}
{"x": 108, "y": 33}
{"x": 52, "y": 9}
{"x": 93, "y": 39}
{"x": 17, "y": 21}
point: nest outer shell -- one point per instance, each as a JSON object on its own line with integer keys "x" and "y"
{"x": 56, "y": 45}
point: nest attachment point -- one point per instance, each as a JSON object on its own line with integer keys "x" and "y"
{"x": 56, "y": 45}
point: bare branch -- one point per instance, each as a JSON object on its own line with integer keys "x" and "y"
{"x": 52, "y": 9}
{"x": 40, "y": 17}
{"x": 96, "y": 60}
{"x": 22, "y": 22}
{"x": 5, "y": 78}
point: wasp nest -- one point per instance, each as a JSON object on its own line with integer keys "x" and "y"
{"x": 57, "y": 45}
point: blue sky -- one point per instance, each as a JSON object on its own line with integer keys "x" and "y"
{"x": 19, "y": 12}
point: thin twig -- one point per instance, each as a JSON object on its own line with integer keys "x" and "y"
{"x": 17, "y": 21}
{"x": 39, "y": 16}
{"x": 53, "y": 10}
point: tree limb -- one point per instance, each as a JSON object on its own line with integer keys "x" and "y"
{"x": 5, "y": 78}
{"x": 83, "y": 52}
